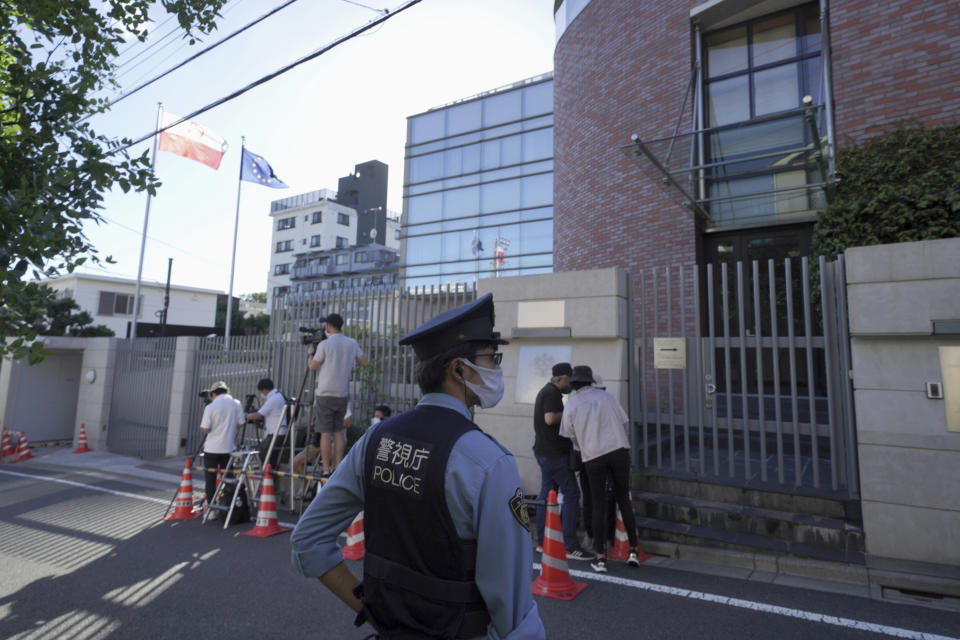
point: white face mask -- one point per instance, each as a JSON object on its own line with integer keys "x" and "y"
{"x": 491, "y": 391}
{"x": 374, "y": 420}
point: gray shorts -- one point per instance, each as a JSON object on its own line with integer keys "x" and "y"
{"x": 328, "y": 413}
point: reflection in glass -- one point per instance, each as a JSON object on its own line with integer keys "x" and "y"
{"x": 538, "y": 99}
{"x": 728, "y": 101}
{"x": 776, "y": 89}
{"x": 537, "y": 190}
{"x": 461, "y": 202}
{"x": 425, "y": 208}
{"x": 774, "y": 39}
{"x": 500, "y": 196}
{"x": 463, "y": 117}
{"x": 726, "y": 51}
{"x": 428, "y": 126}
{"x": 501, "y": 108}
{"x": 537, "y": 145}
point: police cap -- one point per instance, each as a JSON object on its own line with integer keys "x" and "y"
{"x": 471, "y": 322}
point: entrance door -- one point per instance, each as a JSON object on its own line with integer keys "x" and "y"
{"x": 44, "y": 397}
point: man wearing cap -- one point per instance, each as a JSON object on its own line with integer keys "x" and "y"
{"x": 597, "y": 425}
{"x": 553, "y": 455}
{"x": 219, "y": 424}
{"x": 446, "y": 530}
{"x": 335, "y": 358}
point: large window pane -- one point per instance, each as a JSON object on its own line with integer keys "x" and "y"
{"x": 776, "y": 89}
{"x": 490, "y": 154}
{"x": 537, "y": 190}
{"x": 461, "y": 202}
{"x": 510, "y": 151}
{"x": 425, "y": 208}
{"x": 452, "y": 165}
{"x": 728, "y": 101}
{"x": 538, "y": 99}
{"x": 774, "y": 39}
{"x": 536, "y": 237}
{"x": 812, "y": 85}
{"x": 501, "y": 108}
{"x": 423, "y": 249}
{"x": 428, "y": 126}
{"x": 464, "y": 117}
{"x": 500, "y": 196}
{"x": 471, "y": 158}
{"x": 726, "y": 51}
{"x": 428, "y": 167}
{"x": 537, "y": 145}
{"x": 744, "y": 142}
{"x": 811, "y": 27}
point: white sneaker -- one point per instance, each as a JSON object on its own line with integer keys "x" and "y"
{"x": 599, "y": 565}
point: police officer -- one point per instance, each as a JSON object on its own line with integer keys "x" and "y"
{"x": 447, "y": 539}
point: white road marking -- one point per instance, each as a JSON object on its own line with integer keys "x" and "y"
{"x": 811, "y": 616}
{"x": 92, "y": 487}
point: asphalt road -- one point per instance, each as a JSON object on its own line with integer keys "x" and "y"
{"x": 86, "y": 556}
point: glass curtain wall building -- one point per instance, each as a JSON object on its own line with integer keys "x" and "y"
{"x": 478, "y": 187}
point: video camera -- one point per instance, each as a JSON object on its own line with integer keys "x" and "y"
{"x": 250, "y": 403}
{"x": 313, "y": 335}
{"x": 205, "y": 395}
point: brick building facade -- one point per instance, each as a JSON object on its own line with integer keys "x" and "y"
{"x": 625, "y": 67}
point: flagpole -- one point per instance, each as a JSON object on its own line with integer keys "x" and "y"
{"x": 233, "y": 255}
{"x": 146, "y": 219}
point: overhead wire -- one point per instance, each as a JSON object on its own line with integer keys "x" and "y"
{"x": 270, "y": 76}
{"x": 203, "y": 51}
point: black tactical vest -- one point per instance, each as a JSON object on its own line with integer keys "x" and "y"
{"x": 418, "y": 575}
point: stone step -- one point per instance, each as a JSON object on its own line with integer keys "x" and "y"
{"x": 786, "y": 526}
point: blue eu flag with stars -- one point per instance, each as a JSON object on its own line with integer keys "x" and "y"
{"x": 254, "y": 168}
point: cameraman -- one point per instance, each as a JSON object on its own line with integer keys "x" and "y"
{"x": 335, "y": 358}
{"x": 271, "y": 412}
{"x": 219, "y": 423}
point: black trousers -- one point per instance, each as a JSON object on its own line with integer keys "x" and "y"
{"x": 617, "y": 464}
{"x": 211, "y": 461}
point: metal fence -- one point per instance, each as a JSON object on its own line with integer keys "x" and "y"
{"x": 375, "y": 316}
{"x": 742, "y": 376}
{"x": 140, "y": 404}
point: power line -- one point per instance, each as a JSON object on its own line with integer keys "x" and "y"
{"x": 203, "y": 51}
{"x": 270, "y": 76}
{"x": 167, "y": 244}
{"x": 366, "y": 6}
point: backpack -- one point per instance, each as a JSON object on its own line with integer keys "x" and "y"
{"x": 241, "y": 507}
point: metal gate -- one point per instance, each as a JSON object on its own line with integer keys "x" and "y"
{"x": 743, "y": 376}
{"x": 140, "y": 403}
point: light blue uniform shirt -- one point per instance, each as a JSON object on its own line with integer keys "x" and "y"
{"x": 481, "y": 478}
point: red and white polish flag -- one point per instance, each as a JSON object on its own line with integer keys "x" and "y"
{"x": 190, "y": 140}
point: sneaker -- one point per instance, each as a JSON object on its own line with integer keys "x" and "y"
{"x": 578, "y": 553}
{"x": 599, "y": 565}
{"x": 633, "y": 559}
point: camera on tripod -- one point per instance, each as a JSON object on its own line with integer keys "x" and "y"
{"x": 205, "y": 395}
{"x": 250, "y": 403}
{"x": 313, "y": 335}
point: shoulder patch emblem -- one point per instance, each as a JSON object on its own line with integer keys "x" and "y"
{"x": 519, "y": 510}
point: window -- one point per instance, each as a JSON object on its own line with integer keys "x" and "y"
{"x": 315, "y": 241}
{"x": 396, "y": 234}
{"x": 117, "y": 304}
{"x": 317, "y": 217}
{"x": 343, "y": 219}
{"x": 281, "y": 269}
{"x": 341, "y": 242}
{"x": 757, "y": 145}
{"x": 286, "y": 223}
{"x": 360, "y": 256}
{"x": 284, "y": 245}
{"x": 280, "y": 291}
{"x": 343, "y": 258}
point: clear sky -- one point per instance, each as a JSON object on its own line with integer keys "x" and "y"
{"x": 312, "y": 124}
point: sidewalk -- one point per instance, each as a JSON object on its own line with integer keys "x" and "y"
{"x": 164, "y": 470}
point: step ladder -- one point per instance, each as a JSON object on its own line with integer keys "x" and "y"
{"x": 243, "y": 464}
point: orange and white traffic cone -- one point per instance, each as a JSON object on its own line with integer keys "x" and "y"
{"x": 82, "y": 441}
{"x": 621, "y": 542}
{"x": 267, "y": 524}
{"x": 355, "y": 546}
{"x": 6, "y": 449}
{"x": 554, "y": 580}
{"x": 184, "y": 509}
{"x": 23, "y": 449}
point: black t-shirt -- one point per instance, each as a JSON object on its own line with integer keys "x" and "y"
{"x": 548, "y": 442}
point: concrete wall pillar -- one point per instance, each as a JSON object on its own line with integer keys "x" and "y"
{"x": 904, "y": 309}
{"x": 93, "y": 398}
{"x": 578, "y": 317}
{"x": 182, "y": 394}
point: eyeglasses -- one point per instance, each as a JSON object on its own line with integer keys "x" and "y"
{"x": 497, "y": 357}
